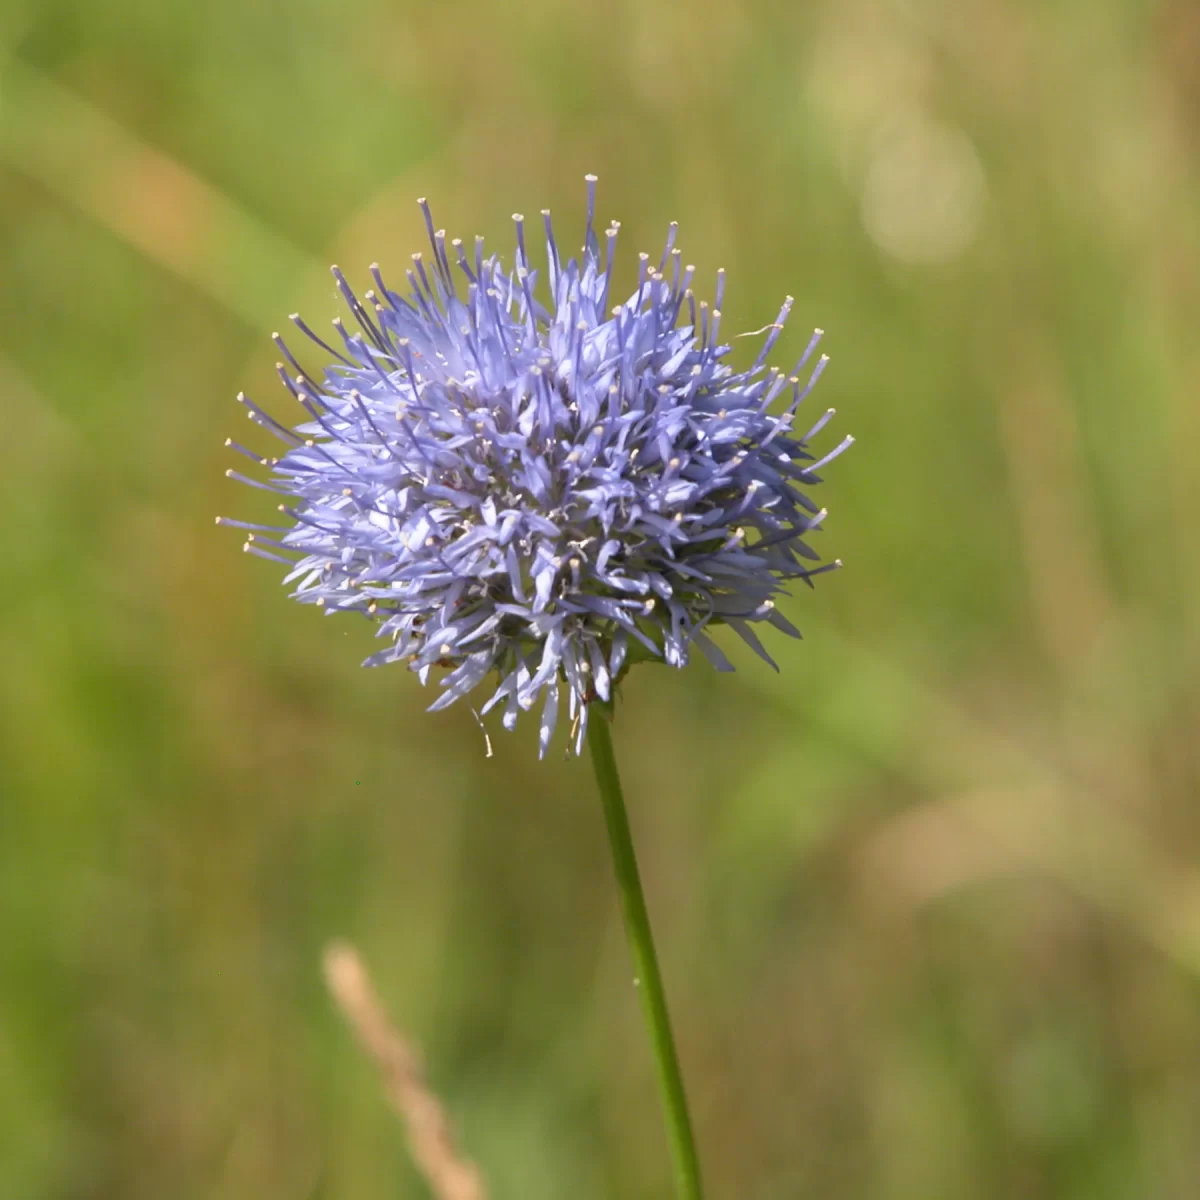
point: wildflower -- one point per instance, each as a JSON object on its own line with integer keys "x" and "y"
{"x": 542, "y": 490}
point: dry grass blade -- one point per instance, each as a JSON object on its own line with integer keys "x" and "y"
{"x": 450, "y": 1176}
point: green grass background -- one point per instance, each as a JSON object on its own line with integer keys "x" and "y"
{"x": 928, "y": 901}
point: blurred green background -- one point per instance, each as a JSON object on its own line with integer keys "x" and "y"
{"x": 928, "y": 901}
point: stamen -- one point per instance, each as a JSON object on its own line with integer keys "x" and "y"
{"x": 590, "y": 245}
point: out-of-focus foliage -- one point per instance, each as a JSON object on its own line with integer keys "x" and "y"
{"x": 929, "y": 900}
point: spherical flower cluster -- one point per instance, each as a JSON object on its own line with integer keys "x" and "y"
{"x": 542, "y": 490}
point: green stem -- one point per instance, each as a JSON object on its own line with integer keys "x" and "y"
{"x": 645, "y": 961}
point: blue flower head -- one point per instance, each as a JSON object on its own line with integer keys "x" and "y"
{"x": 542, "y": 488}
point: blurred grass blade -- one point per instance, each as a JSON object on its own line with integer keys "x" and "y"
{"x": 1006, "y": 793}
{"x": 87, "y": 160}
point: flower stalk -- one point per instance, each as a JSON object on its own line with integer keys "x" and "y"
{"x": 647, "y": 978}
